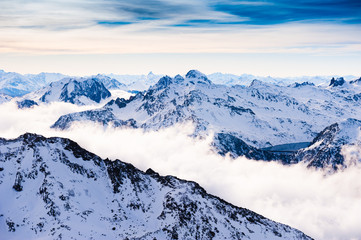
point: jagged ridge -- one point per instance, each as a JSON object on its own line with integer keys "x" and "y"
{"x": 261, "y": 115}
{"x": 56, "y": 189}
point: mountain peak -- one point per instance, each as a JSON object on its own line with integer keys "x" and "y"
{"x": 163, "y": 82}
{"x": 255, "y": 82}
{"x": 195, "y": 74}
{"x": 296, "y": 84}
{"x": 30, "y": 138}
{"x": 99, "y": 75}
{"x": 337, "y": 82}
{"x": 178, "y": 78}
{"x": 74, "y": 90}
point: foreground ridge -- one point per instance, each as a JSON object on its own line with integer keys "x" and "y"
{"x": 56, "y": 189}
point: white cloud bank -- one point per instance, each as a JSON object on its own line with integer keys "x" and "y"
{"x": 323, "y": 207}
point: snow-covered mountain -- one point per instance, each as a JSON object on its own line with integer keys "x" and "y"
{"x": 137, "y": 82}
{"x": 336, "y": 147}
{"x": 109, "y": 83}
{"x": 56, "y": 190}
{"x": 261, "y": 115}
{"x": 337, "y": 82}
{"x": 15, "y": 84}
{"x": 80, "y": 91}
{"x": 77, "y": 90}
{"x": 246, "y": 79}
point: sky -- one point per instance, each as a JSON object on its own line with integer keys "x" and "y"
{"x": 275, "y": 37}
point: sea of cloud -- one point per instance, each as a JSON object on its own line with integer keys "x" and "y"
{"x": 324, "y": 207}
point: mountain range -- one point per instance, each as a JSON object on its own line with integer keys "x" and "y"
{"x": 15, "y": 84}
{"x": 57, "y": 190}
{"x": 244, "y": 119}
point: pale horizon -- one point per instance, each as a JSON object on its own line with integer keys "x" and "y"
{"x": 262, "y": 65}
{"x": 264, "y": 38}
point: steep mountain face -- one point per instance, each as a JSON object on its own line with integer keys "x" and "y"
{"x": 55, "y": 189}
{"x": 261, "y": 115}
{"x": 15, "y": 84}
{"x": 336, "y": 147}
{"x": 227, "y": 143}
{"x": 80, "y": 91}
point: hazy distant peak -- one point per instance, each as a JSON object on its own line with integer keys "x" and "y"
{"x": 357, "y": 81}
{"x": 178, "y": 78}
{"x": 296, "y": 84}
{"x": 255, "y": 82}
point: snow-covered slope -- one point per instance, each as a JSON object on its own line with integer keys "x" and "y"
{"x": 261, "y": 114}
{"x": 56, "y": 190}
{"x": 15, "y": 84}
{"x": 137, "y": 82}
{"x": 109, "y": 83}
{"x": 80, "y": 91}
{"x": 336, "y": 147}
{"x": 4, "y": 98}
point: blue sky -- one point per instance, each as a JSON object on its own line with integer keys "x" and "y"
{"x": 255, "y": 37}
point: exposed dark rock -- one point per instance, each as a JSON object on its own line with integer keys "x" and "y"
{"x": 297, "y": 85}
{"x": 18, "y": 181}
{"x": 337, "y": 82}
{"x": 228, "y": 143}
{"x": 26, "y": 104}
{"x": 357, "y": 81}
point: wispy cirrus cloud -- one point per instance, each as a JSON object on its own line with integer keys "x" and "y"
{"x": 167, "y": 13}
{"x": 180, "y": 26}
{"x": 282, "y": 11}
{"x": 231, "y": 12}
